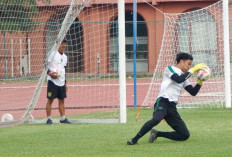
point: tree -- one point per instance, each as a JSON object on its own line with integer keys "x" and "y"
{"x": 17, "y": 16}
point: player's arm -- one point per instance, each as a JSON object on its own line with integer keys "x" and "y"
{"x": 49, "y": 60}
{"x": 170, "y": 73}
{"x": 65, "y": 84}
{"x": 180, "y": 78}
{"x": 52, "y": 74}
{"x": 65, "y": 69}
{"x": 65, "y": 75}
{"x": 193, "y": 90}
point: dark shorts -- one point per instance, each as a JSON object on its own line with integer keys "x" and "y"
{"x": 54, "y": 91}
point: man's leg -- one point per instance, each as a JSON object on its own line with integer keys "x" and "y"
{"x": 51, "y": 95}
{"x": 61, "y": 107}
{"x": 148, "y": 126}
{"x": 158, "y": 115}
{"x": 49, "y": 111}
{"x": 62, "y": 112}
{"x": 181, "y": 132}
{"x": 61, "y": 96}
{"x": 49, "y": 107}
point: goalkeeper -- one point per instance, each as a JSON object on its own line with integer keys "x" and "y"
{"x": 175, "y": 78}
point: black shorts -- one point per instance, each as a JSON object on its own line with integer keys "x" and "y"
{"x": 54, "y": 91}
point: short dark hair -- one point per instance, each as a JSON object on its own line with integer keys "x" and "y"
{"x": 64, "y": 41}
{"x": 183, "y": 56}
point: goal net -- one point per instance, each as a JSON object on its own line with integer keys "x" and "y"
{"x": 31, "y": 30}
{"x": 200, "y": 33}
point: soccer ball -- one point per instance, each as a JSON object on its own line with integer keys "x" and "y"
{"x": 7, "y": 117}
{"x": 204, "y": 75}
{"x": 56, "y": 70}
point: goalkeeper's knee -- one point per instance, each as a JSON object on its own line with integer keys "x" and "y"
{"x": 184, "y": 136}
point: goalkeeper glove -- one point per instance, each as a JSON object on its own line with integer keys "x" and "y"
{"x": 199, "y": 82}
{"x": 197, "y": 67}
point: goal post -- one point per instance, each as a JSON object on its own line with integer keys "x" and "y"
{"x": 122, "y": 60}
{"x": 95, "y": 72}
{"x": 226, "y": 40}
{"x": 204, "y": 33}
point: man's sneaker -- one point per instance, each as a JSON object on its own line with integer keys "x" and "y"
{"x": 130, "y": 142}
{"x": 153, "y": 136}
{"x": 65, "y": 121}
{"x": 49, "y": 121}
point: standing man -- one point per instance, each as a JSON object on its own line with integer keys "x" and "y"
{"x": 56, "y": 87}
{"x": 175, "y": 78}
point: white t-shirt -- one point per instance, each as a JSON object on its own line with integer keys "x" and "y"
{"x": 59, "y": 61}
{"x": 169, "y": 88}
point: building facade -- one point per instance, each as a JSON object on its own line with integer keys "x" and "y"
{"x": 150, "y": 34}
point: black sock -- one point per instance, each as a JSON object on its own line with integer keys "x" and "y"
{"x": 136, "y": 138}
{"x": 145, "y": 128}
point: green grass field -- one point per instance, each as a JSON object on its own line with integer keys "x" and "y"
{"x": 211, "y": 135}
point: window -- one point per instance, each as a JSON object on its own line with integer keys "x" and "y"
{"x": 142, "y": 55}
{"x": 193, "y": 37}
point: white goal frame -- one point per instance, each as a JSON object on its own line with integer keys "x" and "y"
{"x": 226, "y": 53}
{"x": 70, "y": 13}
{"x": 225, "y": 101}
{"x": 122, "y": 76}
